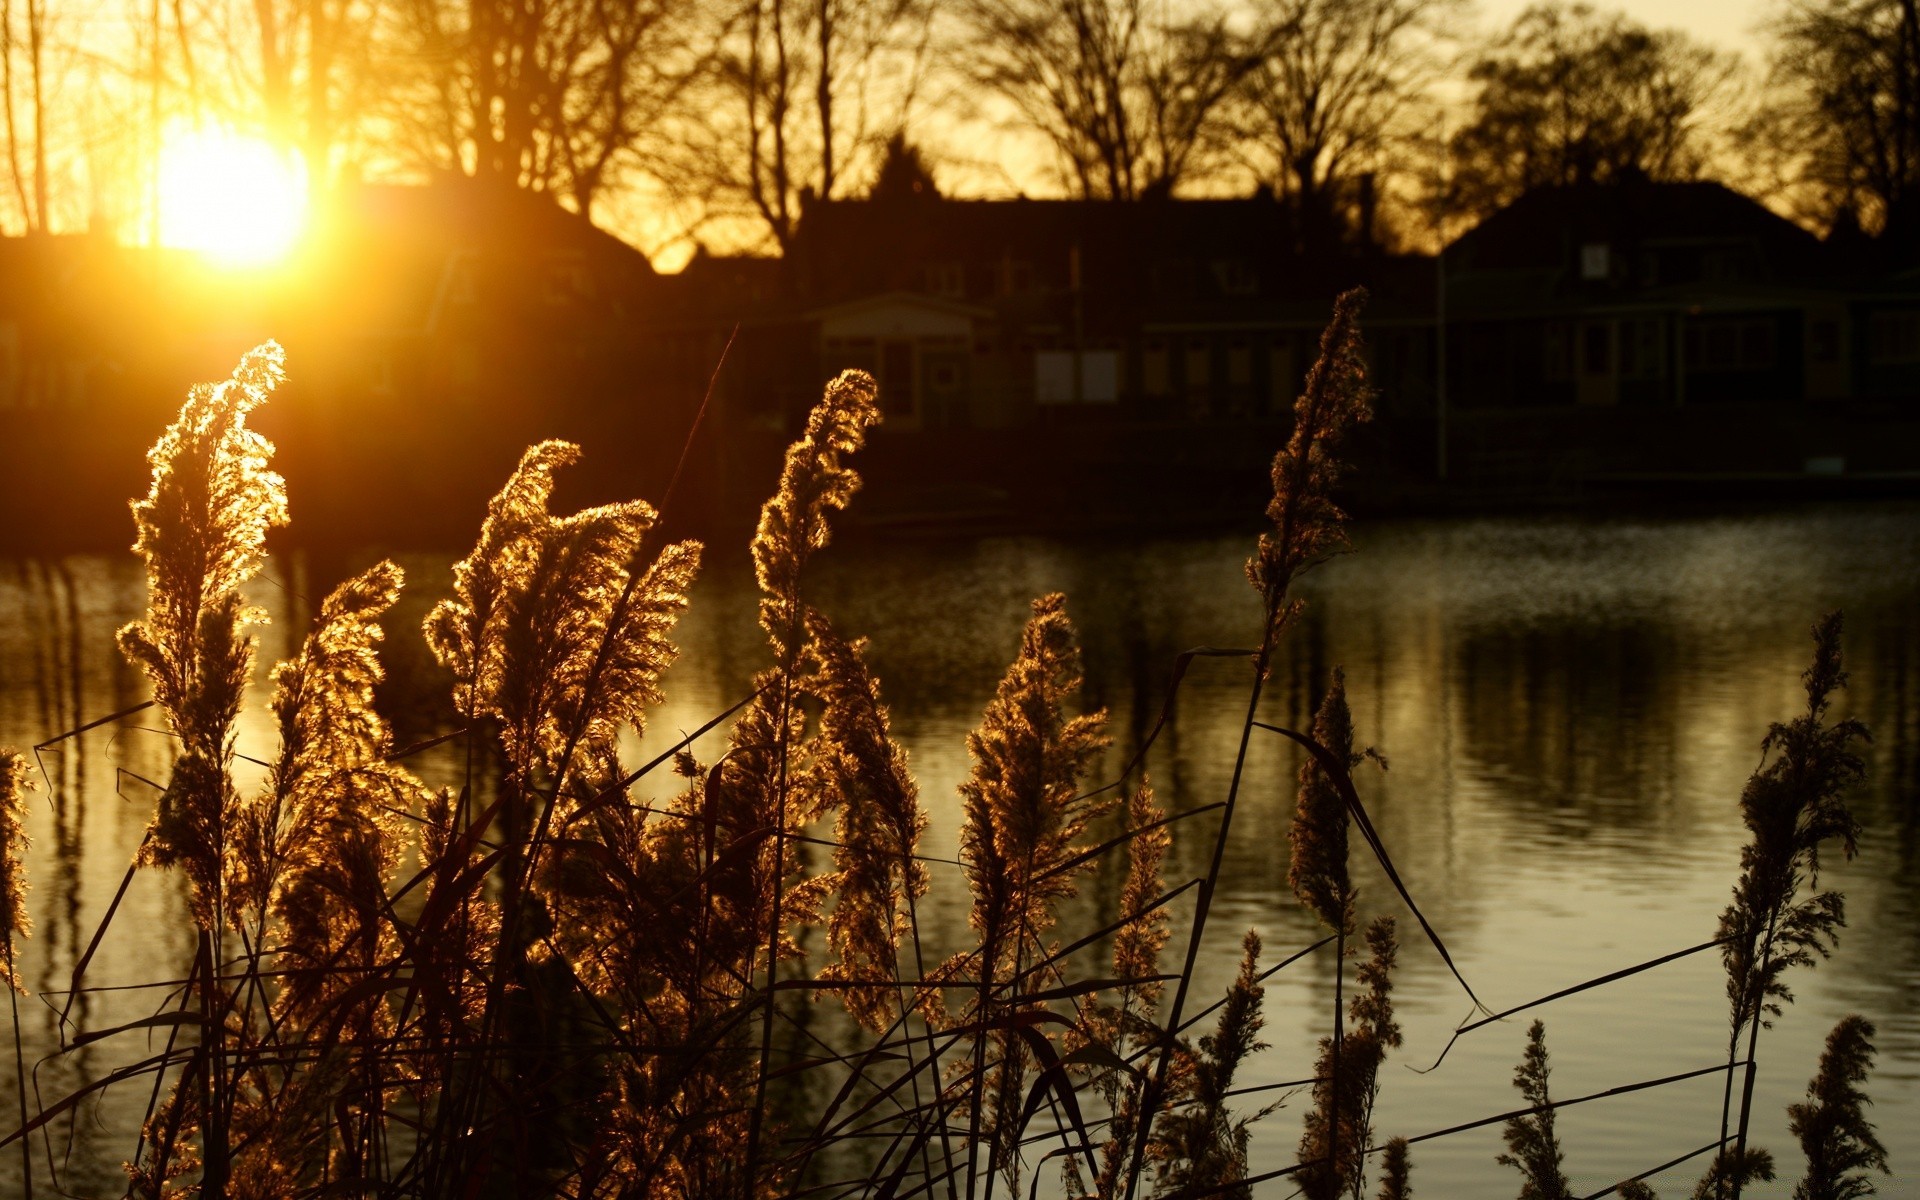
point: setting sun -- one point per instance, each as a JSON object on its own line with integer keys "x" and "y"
{"x": 231, "y": 197}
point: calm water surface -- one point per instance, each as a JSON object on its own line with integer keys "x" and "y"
{"x": 1570, "y": 707}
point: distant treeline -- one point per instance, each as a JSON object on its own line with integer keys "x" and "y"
{"x": 677, "y": 120}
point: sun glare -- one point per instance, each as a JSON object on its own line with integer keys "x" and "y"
{"x": 235, "y": 199}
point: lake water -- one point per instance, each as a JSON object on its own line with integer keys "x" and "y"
{"x": 1570, "y": 707}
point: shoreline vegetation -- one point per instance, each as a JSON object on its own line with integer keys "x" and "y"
{"x": 537, "y": 984}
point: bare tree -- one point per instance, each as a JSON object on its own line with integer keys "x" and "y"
{"x": 1572, "y": 95}
{"x": 1131, "y": 102}
{"x": 1843, "y": 111}
{"x": 14, "y": 171}
{"x": 1332, "y": 97}
{"x": 566, "y": 97}
{"x": 809, "y": 92}
{"x": 33, "y": 208}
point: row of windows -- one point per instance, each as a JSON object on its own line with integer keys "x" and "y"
{"x": 1014, "y": 277}
{"x": 1638, "y": 347}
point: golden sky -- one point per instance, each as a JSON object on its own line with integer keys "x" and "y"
{"x": 1728, "y": 23}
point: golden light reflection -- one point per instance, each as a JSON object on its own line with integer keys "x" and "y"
{"x": 236, "y": 199}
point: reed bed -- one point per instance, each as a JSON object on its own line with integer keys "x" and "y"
{"x": 547, "y": 981}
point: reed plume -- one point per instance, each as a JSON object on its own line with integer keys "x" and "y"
{"x": 1023, "y": 818}
{"x": 316, "y": 848}
{"x": 1831, "y": 1124}
{"x": 757, "y": 773}
{"x": 1024, "y": 815}
{"x": 1347, "y": 1084}
{"x": 557, "y": 633}
{"x": 1318, "y": 867}
{"x": 1318, "y": 873}
{"x": 1734, "y": 1167}
{"x": 1532, "y": 1147}
{"x": 862, "y": 774}
{"x": 16, "y": 781}
{"x": 201, "y": 531}
{"x": 1396, "y": 1171}
{"x": 1200, "y": 1145}
{"x": 554, "y": 630}
{"x": 1138, "y": 943}
{"x": 814, "y": 483}
{"x": 1791, "y": 805}
{"x": 1308, "y": 527}
{"x": 1126, "y": 1027}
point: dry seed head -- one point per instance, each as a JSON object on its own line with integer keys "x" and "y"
{"x": 1790, "y": 806}
{"x": 1318, "y": 872}
{"x": 1023, "y": 812}
{"x": 549, "y": 630}
{"x": 1307, "y": 524}
{"x": 862, "y": 773}
{"x": 813, "y": 484}
{"x": 1137, "y": 945}
{"x": 15, "y": 783}
{"x": 202, "y": 527}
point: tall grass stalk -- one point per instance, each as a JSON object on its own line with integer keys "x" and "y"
{"x": 15, "y": 783}
{"x": 1792, "y": 804}
{"x": 1308, "y": 528}
{"x": 544, "y": 981}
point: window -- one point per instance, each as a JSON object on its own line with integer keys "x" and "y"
{"x": 1154, "y": 368}
{"x": 947, "y": 279}
{"x": 1596, "y": 261}
{"x": 1642, "y": 350}
{"x": 1731, "y": 344}
{"x": 1823, "y": 341}
{"x": 1558, "y": 351}
{"x": 1235, "y": 277}
{"x": 1894, "y": 337}
{"x": 896, "y": 378}
{"x": 1596, "y": 348}
{"x": 567, "y": 279}
{"x": 1239, "y": 363}
{"x": 1199, "y": 365}
{"x": 1281, "y": 384}
{"x": 1722, "y": 345}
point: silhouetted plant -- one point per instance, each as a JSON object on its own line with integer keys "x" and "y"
{"x": 1791, "y": 805}
{"x": 15, "y": 783}
{"x": 576, "y": 991}
{"x": 1734, "y": 1168}
{"x": 1347, "y": 1079}
{"x": 1532, "y": 1146}
{"x": 1308, "y": 526}
{"x": 1024, "y": 817}
{"x": 1396, "y": 1171}
{"x": 1125, "y": 1027}
{"x": 860, "y": 772}
{"x": 1831, "y": 1124}
{"x": 1202, "y": 1145}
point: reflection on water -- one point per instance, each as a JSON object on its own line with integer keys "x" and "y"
{"x": 1570, "y": 708}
